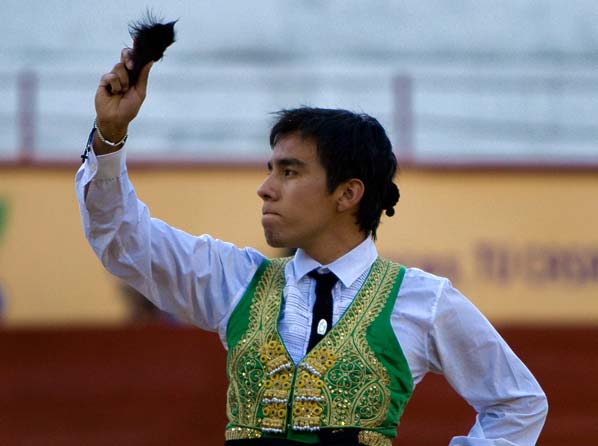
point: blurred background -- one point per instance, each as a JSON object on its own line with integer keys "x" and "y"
{"x": 491, "y": 107}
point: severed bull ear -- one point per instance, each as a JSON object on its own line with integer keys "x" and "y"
{"x": 150, "y": 37}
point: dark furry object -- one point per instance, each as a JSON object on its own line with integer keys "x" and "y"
{"x": 150, "y": 40}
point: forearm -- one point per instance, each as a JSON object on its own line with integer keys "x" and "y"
{"x": 119, "y": 229}
{"x": 515, "y": 423}
{"x": 197, "y": 278}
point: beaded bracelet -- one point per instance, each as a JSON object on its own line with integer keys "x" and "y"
{"x": 105, "y": 141}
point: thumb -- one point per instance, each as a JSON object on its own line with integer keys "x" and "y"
{"x": 142, "y": 80}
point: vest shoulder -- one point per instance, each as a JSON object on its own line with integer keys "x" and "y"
{"x": 279, "y": 261}
{"x": 394, "y": 263}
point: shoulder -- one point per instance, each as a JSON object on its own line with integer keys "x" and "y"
{"x": 422, "y": 285}
{"x": 434, "y": 302}
{"x": 420, "y": 295}
{"x": 420, "y": 280}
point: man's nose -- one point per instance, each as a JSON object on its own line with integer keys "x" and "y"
{"x": 266, "y": 190}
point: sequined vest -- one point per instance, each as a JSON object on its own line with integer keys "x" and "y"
{"x": 355, "y": 377}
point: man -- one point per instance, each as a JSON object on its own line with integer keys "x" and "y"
{"x": 326, "y": 347}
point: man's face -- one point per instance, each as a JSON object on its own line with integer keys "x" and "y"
{"x": 298, "y": 211}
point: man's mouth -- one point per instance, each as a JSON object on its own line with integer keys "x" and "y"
{"x": 268, "y": 212}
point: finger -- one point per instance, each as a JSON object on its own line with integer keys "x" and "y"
{"x": 105, "y": 83}
{"x": 111, "y": 83}
{"x": 115, "y": 86}
{"x": 126, "y": 57}
{"x": 143, "y": 77}
{"x": 120, "y": 70}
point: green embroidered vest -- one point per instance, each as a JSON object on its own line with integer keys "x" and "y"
{"x": 356, "y": 376}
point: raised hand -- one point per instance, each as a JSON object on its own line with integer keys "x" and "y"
{"x": 117, "y": 103}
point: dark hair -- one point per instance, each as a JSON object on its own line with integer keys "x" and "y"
{"x": 349, "y": 145}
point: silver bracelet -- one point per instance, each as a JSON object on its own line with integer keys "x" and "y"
{"x": 105, "y": 141}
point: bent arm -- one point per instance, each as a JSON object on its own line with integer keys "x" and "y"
{"x": 510, "y": 405}
{"x": 199, "y": 279}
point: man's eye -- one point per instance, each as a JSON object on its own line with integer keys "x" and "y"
{"x": 289, "y": 172}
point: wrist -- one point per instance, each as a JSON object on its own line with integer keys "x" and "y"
{"x": 111, "y": 132}
{"x": 107, "y": 139}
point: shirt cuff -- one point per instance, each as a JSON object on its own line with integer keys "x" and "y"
{"x": 109, "y": 166}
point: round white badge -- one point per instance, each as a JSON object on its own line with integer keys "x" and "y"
{"x": 322, "y": 326}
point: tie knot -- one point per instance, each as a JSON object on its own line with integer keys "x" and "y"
{"x": 324, "y": 281}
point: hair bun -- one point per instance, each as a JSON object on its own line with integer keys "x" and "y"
{"x": 392, "y": 198}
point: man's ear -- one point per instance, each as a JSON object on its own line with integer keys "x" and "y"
{"x": 350, "y": 194}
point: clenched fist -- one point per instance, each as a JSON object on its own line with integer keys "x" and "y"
{"x": 117, "y": 103}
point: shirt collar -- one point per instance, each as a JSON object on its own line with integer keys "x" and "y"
{"x": 347, "y": 268}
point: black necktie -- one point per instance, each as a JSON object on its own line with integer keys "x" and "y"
{"x": 322, "y": 314}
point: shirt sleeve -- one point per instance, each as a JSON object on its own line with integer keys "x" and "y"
{"x": 510, "y": 405}
{"x": 199, "y": 279}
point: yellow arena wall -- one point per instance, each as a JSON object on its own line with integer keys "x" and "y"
{"x": 523, "y": 246}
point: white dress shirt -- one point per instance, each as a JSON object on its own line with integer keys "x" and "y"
{"x": 201, "y": 279}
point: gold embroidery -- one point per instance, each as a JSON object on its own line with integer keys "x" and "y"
{"x": 247, "y": 373}
{"x": 241, "y": 433}
{"x": 277, "y": 387}
{"x": 367, "y": 438}
{"x": 274, "y": 357}
{"x": 308, "y": 404}
{"x": 371, "y": 438}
